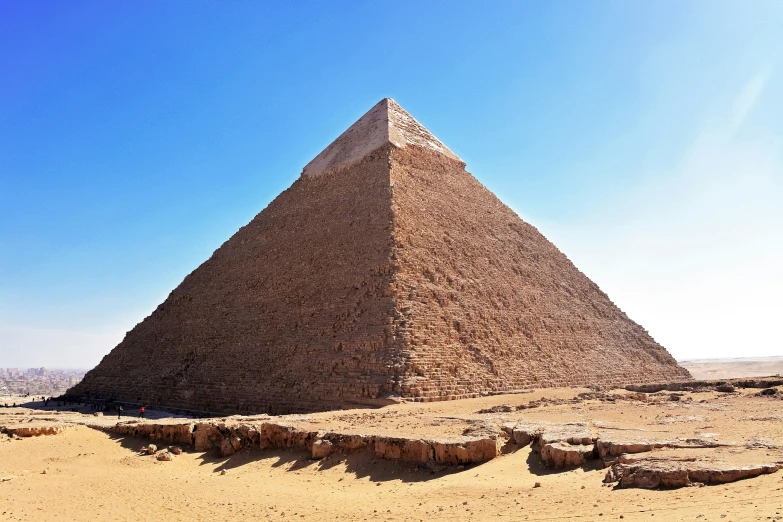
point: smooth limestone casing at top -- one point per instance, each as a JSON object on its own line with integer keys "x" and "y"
{"x": 385, "y": 271}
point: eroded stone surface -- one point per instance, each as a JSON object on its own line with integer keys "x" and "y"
{"x": 524, "y": 433}
{"x": 164, "y": 456}
{"x": 227, "y": 438}
{"x": 322, "y": 448}
{"x": 564, "y": 455}
{"x": 32, "y": 430}
{"x": 651, "y": 472}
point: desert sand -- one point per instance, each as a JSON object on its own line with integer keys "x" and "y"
{"x": 728, "y": 368}
{"x": 94, "y": 474}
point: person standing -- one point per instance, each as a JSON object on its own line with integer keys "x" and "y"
{"x": 141, "y": 412}
{"x": 119, "y": 411}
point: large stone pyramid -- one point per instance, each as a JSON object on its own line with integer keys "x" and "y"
{"x": 385, "y": 271}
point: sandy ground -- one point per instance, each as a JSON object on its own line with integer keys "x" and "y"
{"x": 727, "y": 368}
{"x": 92, "y": 475}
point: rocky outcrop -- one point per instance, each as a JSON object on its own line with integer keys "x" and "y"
{"x": 724, "y": 386}
{"x": 614, "y": 448}
{"x": 164, "y": 456}
{"x": 228, "y": 438}
{"x": 405, "y": 450}
{"x": 601, "y": 396}
{"x": 32, "y": 430}
{"x": 524, "y": 433}
{"x": 566, "y": 445}
{"x": 564, "y": 455}
{"x": 559, "y": 446}
{"x": 463, "y": 451}
{"x": 205, "y": 436}
{"x": 322, "y": 448}
{"x": 180, "y": 433}
{"x": 652, "y": 473}
{"x": 608, "y": 448}
{"x": 576, "y": 433}
{"x": 226, "y": 448}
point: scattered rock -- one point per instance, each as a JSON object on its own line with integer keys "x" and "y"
{"x": 150, "y": 450}
{"x": 703, "y": 386}
{"x": 758, "y": 442}
{"x": 176, "y": 450}
{"x": 501, "y": 408}
{"x": 725, "y": 388}
{"x": 322, "y": 448}
{"x": 674, "y": 419}
{"x": 226, "y": 448}
{"x": 164, "y": 456}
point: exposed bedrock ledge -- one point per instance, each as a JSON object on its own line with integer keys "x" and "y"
{"x": 559, "y": 446}
{"x": 721, "y": 385}
{"x": 32, "y": 430}
{"x": 652, "y": 473}
{"x": 228, "y": 438}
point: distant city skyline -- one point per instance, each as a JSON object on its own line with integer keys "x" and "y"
{"x": 645, "y": 140}
{"x": 37, "y": 381}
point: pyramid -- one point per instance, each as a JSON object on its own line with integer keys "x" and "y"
{"x": 385, "y": 272}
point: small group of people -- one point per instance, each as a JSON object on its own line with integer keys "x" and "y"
{"x": 142, "y": 410}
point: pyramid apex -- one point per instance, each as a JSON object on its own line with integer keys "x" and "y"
{"x": 386, "y": 122}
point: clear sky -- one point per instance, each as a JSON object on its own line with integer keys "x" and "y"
{"x": 644, "y": 138}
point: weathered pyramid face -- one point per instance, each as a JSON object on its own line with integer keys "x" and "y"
{"x": 385, "y": 271}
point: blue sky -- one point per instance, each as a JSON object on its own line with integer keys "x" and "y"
{"x": 644, "y": 138}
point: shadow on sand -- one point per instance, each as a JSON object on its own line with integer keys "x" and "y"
{"x": 361, "y": 464}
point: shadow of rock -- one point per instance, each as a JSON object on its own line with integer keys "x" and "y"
{"x": 360, "y": 464}
{"x": 132, "y": 443}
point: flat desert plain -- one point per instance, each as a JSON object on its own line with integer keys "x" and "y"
{"x": 728, "y": 368}
{"x": 98, "y": 468}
